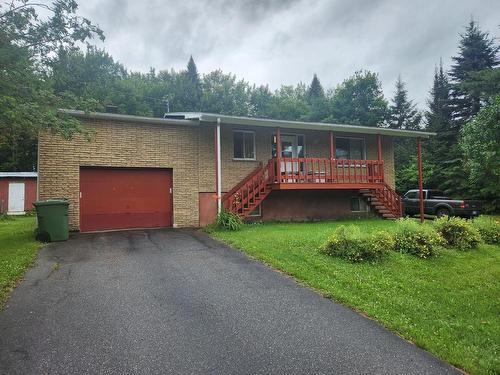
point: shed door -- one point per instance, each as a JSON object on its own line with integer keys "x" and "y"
{"x": 121, "y": 198}
{"x": 16, "y": 197}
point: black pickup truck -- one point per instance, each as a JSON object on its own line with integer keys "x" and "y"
{"x": 436, "y": 203}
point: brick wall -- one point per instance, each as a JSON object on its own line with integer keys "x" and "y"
{"x": 122, "y": 144}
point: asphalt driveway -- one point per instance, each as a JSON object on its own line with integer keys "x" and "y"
{"x": 175, "y": 301}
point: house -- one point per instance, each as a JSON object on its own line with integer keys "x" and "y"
{"x": 17, "y": 192}
{"x": 178, "y": 171}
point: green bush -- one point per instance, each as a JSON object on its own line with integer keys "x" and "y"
{"x": 458, "y": 233}
{"x": 415, "y": 238}
{"x": 488, "y": 228}
{"x": 349, "y": 243}
{"x": 228, "y": 220}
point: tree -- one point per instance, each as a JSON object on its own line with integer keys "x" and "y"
{"x": 316, "y": 100}
{"x": 315, "y": 90}
{"x": 476, "y": 52}
{"x": 402, "y": 112}
{"x": 222, "y": 93}
{"x": 479, "y": 142}
{"x": 439, "y": 120}
{"x": 27, "y": 101}
{"x": 191, "y": 88}
{"x": 359, "y": 100}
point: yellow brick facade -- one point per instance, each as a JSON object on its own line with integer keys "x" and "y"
{"x": 188, "y": 150}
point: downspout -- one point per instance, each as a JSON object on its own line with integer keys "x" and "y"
{"x": 218, "y": 171}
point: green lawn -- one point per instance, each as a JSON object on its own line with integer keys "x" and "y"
{"x": 18, "y": 249}
{"x": 449, "y": 305}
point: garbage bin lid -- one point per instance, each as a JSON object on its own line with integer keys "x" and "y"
{"x": 51, "y": 202}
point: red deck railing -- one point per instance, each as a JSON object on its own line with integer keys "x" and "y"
{"x": 325, "y": 171}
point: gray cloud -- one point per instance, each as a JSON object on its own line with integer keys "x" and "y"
{"x": 284, "y": 42}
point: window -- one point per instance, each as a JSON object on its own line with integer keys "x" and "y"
{"x": 358, "y": 205}
{"x": 256, "y": 213}
{"x": 350, "y": 148}
{"x": 244, "y": 145}
{"x": 295, "y": 144}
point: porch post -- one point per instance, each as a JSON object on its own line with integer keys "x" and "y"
{"x": 420, "y": 180}
{"x": 332, "y": 145}
{"x": 278, "y": 155}
{"x": 218, "y": 166}
{"x": 379, "y": 147}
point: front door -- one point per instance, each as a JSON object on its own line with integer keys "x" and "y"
{"x": 289, "y": 149}
{"x": 16, "y": 197}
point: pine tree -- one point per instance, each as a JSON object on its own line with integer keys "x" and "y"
{"x": 439, "y": 120}
{"x": 403, "y": 115}
{"x": 316, "y": 99}
{"x": 315, "y": 90}
{"x": 476, "y": 51}
{"x": 191, "y": 89}
{"x": 402, "y": 112}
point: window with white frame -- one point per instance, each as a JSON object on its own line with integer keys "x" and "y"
{"x": 350, "y": 148}
{"x": 244, "y": 145}
{"x": 358, "y": 205}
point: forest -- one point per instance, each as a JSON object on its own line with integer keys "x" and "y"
{"x": 51, "y": 62}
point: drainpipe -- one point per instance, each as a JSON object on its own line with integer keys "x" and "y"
{"x": 218, "y": 165}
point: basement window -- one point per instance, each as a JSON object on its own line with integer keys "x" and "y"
{"x": 358, "y": 205}
{"x": 244, "y": 145}
{"x": 256, "y": 213}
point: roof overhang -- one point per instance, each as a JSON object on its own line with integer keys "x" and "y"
{"x": 338, "y": 128}
{"x": 19, "y": 174}
{"x": 129, "y": 118}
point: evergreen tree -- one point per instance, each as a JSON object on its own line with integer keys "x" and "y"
{"x": 477, "y": 51}
{"x": 439, "y": 120}
{"x": 190, "y": 90}
{"x": 315, "y": 90}
{"x": 402, "y": 112}
{"x": 403, "y": 115}
{"x": 316, "y": 100}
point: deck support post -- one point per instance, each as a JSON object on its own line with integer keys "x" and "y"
{"x": 218, "y": 166}
{"x": 278, "y": 154}
{"x": 420, "y": 180}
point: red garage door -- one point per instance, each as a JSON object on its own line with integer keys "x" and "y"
{"x": 120, "y": 198}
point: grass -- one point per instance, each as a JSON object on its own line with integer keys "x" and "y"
{"x": 448, "y": 305}
{"x": 18, "y": 249}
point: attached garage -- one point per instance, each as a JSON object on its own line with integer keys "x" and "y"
{"x": 124, "y": 198}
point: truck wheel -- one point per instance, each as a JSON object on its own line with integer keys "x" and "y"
{"x": 440, "y": 212}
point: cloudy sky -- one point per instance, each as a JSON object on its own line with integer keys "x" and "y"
{"x": 279, "y": 42}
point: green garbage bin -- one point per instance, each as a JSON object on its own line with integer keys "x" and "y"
{"x": 52, "y": 218}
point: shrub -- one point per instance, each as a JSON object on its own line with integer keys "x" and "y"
{"x": 488, "y": 228}
{"x": 415, "y": 238}
{"x": 349, "y": 243}
{"x": 458, "y": 232}
{"x": 228, "y": 220}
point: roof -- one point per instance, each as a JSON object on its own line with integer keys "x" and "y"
{"x": 18, "y": 174}
{"x": 196, "y": 119}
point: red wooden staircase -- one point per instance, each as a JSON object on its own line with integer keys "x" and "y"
{"x": 249, "y": 193}
{"x": 385, "y": 201}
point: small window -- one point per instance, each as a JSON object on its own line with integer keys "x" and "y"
{"x": 358, "y": 205}
{"x": 350, "y": 148}
{"x": 244, "y": 145}
{"x": 256, "y": 213}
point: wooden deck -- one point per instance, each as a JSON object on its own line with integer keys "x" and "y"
{"x": 322, "y": 173}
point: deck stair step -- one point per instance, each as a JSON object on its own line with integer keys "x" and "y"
{"x": 384, "y": 201}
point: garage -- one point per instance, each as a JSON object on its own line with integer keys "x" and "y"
{"x": 125, "y": 198}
